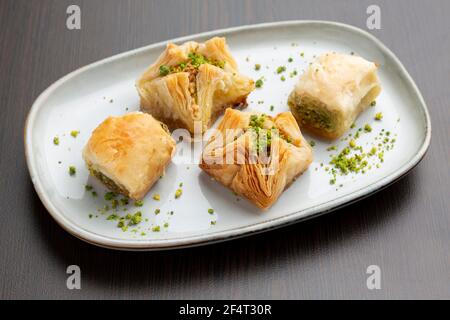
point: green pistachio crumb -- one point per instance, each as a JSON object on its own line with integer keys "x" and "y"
{"x": 352, "y": 143}
{"x": 210, "y": 211}
{"x": 379, "y": 116}
{"x": 156, "y": 197}
{"x": 259, "y": 83}
{"x": 257, "y": 66}
{"x": 290, "y": 59}
{"x": 113, "y": 217}
{"x": 213, "y": 223}
{"x": 157, "y": 211}
{"x": 136, "y": 218}
{"x": 74, "y": 133}
{"x": 178, "y": 193}
{"x": 156, "y": 229}
{"x": 109, "y": 196}
{"x": 164, "y": 70}
{"x": 138, "y": 203}
{"x": 272, "y": 108}
{"x": 88, "y": 187}
{"x": 367, "y": 128}
{"x": 281, "y": 69}
{"x": 283, "y": 78}
{"x": 56, "y": 141}
{"x": 373, "y": 103}
{"x": 166, "y": 225}
{"x": 72, "y": 170}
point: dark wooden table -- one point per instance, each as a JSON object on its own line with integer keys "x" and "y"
{"x": 404, "y": 229}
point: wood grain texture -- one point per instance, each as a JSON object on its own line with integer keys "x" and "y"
{"x": 404, "y": 229}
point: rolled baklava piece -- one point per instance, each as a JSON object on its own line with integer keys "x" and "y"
{"x": 192, "y": 84}
{"x": 331, "y": 94}
{"x": 255, "y": 155}
{"x": 129, "y": 153}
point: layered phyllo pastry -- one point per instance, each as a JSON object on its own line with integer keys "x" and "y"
{"x": 191, "y": 84}
{"x": 128, "y": 154}
{"x": 256, "y": 155}
{"x": 331, "y": 94}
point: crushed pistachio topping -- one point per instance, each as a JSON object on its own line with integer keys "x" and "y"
{"x": 74, "y": 133}
{"x": 211, "y": 211}
{"x": 88, "y": 187}
{"x": 354, "y": 159}
{"x": 156, "y": 197}
{"x": 110, "y": 195}
{"x": 195, "y": 60}
{"x": 373, "y": 103}
{"x": 281, "y": 69}
{"x": 56, "y": 141}
{"x": 312, "y": 143}
{"x": 157, "y": 211}
{"x": 128, "y": 220}
{"x": 139, "y": 203}
{"x": 164, "y": 70}
{"x": 156, "y": 229}
{"x": 379, "y": 116}
{"x": 178, "y": 193}
{"x": 257, "y": 66}
{"x": 72, "y": 170}
{"x": 259, "y": 83}
{"x": 290, "y": 59}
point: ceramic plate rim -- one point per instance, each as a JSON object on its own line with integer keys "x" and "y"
{"x": 203, "y": 239}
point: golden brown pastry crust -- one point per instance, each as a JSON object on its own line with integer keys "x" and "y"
{"x": 176, "y": 101}
{"x": 337, "y": 88}
{"x": 131, "y": 150}
{"x": 262, "y": 182}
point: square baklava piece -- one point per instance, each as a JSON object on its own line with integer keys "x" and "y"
{"x": 191, "y": 85}
{"x": 331, "y": 94}
{"x": 256, "y": 155}
{"x": 129, "y": 153}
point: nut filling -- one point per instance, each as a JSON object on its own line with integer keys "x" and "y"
{"x": 310, "y": 112}
{"x": 110, "y": 184}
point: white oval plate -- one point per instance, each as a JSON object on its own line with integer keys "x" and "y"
{"x": 85, "y": 97}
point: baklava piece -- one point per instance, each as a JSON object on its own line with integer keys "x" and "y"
{"x": 129, "y": 153}
{"x": 255, "y": 155}
{"x": 192, "y": 84}
{"x": 331, "y": 94}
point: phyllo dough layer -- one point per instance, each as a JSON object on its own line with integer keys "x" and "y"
{"x": 129, "y": 153}
{"x": 193, "y": 82}
{"x": 255, "y": 155}
{"x": 331, "y": 94}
